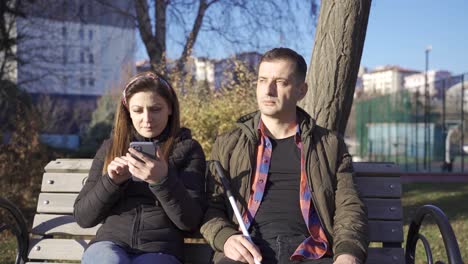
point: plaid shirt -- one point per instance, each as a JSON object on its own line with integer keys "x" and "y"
{"x": 316, "y": 245}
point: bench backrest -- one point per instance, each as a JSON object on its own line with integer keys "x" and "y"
{"x": 56, "y": 235}
{"x": 379, "y": 186}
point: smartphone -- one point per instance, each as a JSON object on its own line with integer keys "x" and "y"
{"x": 145, "y": 147}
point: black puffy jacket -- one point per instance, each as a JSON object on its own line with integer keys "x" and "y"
{"x": 144, "y": 218}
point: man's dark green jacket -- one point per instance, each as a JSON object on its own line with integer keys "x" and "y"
{"x": 329, "y": 172}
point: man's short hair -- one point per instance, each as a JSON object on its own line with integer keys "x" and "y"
{"x": 287, "y": 54}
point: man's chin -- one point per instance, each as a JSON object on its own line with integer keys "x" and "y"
{"x": 269, "y": 112}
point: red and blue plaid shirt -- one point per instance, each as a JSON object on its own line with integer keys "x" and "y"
{"x": 316, "y": 245}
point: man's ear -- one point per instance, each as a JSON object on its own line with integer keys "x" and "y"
{"x": 303, "y": 88}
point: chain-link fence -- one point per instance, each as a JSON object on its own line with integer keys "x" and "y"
{"x": 422, "y": 129}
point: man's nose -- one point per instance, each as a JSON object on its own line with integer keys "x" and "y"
{"x": 271, "y": 88}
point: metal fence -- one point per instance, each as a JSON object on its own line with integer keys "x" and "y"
{"x": 422, "y": 129}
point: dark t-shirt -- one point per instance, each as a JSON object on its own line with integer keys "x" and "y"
{"x": 279, "y": 212}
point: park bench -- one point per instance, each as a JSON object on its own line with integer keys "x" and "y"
{"x": 56, "y": 236}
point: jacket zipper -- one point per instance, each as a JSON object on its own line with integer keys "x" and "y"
{"x": 136, "y": 226}
{"x": 314, "y": 199}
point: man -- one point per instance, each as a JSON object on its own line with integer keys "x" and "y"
{"x": 292, "y": 180}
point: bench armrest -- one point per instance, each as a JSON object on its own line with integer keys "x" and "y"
{"x": 448, "y": 236}
{"x": 18, "y": 228}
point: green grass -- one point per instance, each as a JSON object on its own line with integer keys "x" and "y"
{"x": 7, "y": 248}
{"x": 452, "y": 198}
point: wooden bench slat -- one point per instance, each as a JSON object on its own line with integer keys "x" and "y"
{"x": 52, "y": 224}
{"x": 376, "y": 169}
{"x": 360, "y": 168}
{"x": 385, "y": 256}
{"x": 57, "y": 249}
{"x": 69, "y": 165}
{"x": 63, "y": 182}
{"x": 380, "y": 209}
{"x": 50, "y": 262}
{"x": 61, "y": 203}
{"x": 382, "y": 187}
{"x": 48, "y": 224}
{"x": 386, "y": 231}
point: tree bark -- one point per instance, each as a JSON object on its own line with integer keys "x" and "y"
{"x": 160, "y": 33}
{"x": 192, "y": 37}
{"x": 155, "y": 43}
{"x": 336, "y": 56}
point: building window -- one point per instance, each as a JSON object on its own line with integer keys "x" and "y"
{"x": 91, "y": 82}
{"x": 81, "y": 32}
{"x": 82, "y": 57}
{"x": 82, "y": 81}
{"x": 65, "y": 56}
{"x": 91, "y": 58}
{"x": 90, "y": 34}
{"x": 81, "y": 10}
{"x": 64, "y": 32}
{"x": 65, "y": 80}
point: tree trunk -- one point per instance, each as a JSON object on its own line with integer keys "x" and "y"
{"x": 333, "y": 69}
{"x": 155, "y": 43}
{"x": 160, "y": 33}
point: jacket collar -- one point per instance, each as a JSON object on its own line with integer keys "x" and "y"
{"x": 249, "y": 123}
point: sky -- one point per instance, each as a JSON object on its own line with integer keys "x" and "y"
{"x": 400, "y": 30}
{"x": 398, "y": 33}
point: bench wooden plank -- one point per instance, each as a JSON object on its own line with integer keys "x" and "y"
{"x": 51, "y": 224}
{"x": 61, "y": 203}
{"x": 376, "y": 169}
{"x": 379, "y": 209}
{"x": 382, "y": 187}
{"x": 386, "y": 231}
{"x": 69, "y": 165}
{"x": 57, "y": 249}
{"x": 50, "y": 262}
{"x": 371, "y": 169}
{"x": 381, "y": 231}
{"x": 63, "y": 182}
{"x": 385, "y": 256}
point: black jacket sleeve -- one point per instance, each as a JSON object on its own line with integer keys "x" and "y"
{"x": 99, "y": 193}
{"x": 181, "y": 193}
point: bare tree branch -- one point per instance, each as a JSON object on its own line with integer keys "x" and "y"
{"x": 192, "y": 37}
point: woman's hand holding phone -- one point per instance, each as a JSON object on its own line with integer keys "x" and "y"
{"x": 118, "y": 170}
{"x": 145, "y": 168}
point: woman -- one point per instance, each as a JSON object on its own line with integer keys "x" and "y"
{"x": 145, "y": 204}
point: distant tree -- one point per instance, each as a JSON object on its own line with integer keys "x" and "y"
{"x": 9, "y": 10}
{"x": 235, "y": 98}
{"x": 339, "y": 41}
{"x": 102, "y": 120}
{"x": 237, "y": 23}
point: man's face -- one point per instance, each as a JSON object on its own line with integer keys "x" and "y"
{"x": 278, "y": 89}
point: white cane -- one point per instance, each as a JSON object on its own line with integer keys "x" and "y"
{"x": 232, "y": 201}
